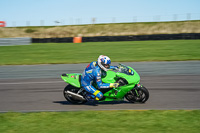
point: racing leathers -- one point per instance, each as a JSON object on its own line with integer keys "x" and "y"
{"x": 91, "y": 74}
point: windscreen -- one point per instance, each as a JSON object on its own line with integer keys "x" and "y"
{"x": 124, "y": 69}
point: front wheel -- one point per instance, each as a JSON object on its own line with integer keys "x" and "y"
{"x": 140, "y": 95}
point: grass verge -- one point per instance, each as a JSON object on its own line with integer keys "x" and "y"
{"x": 130, "y": 51}
{"x": 177, "y": 121}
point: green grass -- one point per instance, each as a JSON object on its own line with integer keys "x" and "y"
{"x": 130, "y": 51}
{"x": 151, "y": 121}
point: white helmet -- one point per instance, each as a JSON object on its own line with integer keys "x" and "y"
{"x": 104, "y": 62}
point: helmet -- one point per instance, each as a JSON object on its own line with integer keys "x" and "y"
{"x": 104, "y": 62}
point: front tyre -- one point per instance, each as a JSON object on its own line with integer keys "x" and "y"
{"x": 140, "y": 95}
{"x": 69, "y": 97}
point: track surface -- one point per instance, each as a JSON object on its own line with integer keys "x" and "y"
{"x": 172, "y": 85}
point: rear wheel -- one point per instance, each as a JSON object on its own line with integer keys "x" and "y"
{"x": 69, "y": 97}
{"x": 140, "y": 95}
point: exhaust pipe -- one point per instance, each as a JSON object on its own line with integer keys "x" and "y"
{"x": 76, "y": 96}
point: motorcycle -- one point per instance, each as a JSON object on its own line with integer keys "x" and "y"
{"x": 129, "y": 87}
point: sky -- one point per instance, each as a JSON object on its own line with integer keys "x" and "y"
{"x": 70, "y": 12}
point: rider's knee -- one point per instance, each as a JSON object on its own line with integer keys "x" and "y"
{"x": 99, "y": 95}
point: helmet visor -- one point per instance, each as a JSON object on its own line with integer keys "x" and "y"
{"x": 107, "y": 66}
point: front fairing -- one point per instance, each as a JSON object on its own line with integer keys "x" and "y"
{"x": 109, "y": 77}
{"x": 131, "y": 76}
{"x": 112, "y": 76}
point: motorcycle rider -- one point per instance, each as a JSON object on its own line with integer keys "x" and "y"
{"x": 93, "y": 73}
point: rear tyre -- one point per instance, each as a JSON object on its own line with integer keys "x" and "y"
{"x": 69, "y": 97}
{"x": 140, "y": 95}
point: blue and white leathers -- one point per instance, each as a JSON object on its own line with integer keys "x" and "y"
{"x": 91, "y": 74}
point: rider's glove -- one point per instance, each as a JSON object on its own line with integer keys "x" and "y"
{"x": 114, "y": 85}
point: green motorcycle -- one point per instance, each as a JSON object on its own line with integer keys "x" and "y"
{"x": 129, "y": 87}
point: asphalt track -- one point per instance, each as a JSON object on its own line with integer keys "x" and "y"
{"x": 27, "y": 88}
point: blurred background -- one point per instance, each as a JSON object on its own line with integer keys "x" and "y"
{"x": 104, "y": 20}
{"x": 49, "y": 18}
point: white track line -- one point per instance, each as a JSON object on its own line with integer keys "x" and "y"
{"x": 47, "y": 82}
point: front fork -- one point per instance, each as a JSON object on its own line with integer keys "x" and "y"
{"x": 136, "y": 93}
{"x": 136, "y": 88}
